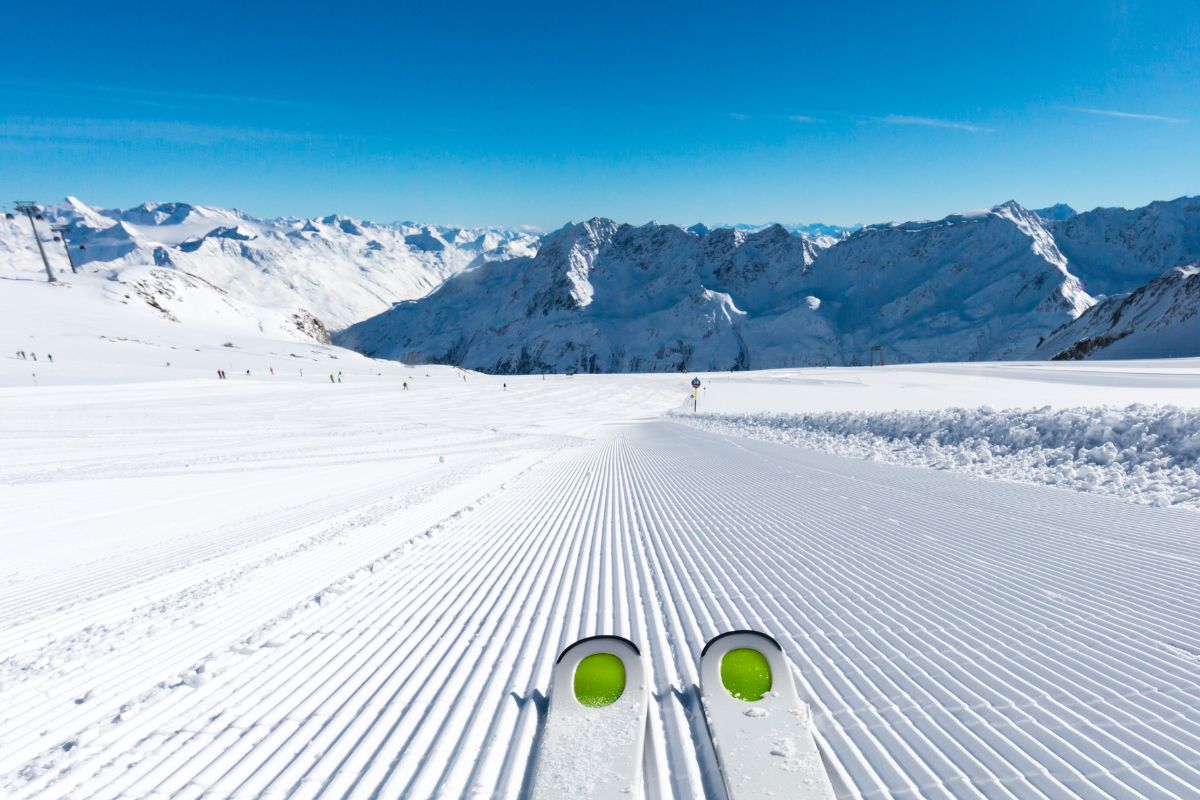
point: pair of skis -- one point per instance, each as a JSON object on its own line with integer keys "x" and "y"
{"x": 599, "y": 703}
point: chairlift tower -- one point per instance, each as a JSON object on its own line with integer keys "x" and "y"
{"x": 61, "y": 230}
{"x": 31, "y": 209}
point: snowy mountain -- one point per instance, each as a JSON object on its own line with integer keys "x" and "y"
{"x": 998, "y": 283}
{"x": 1056, "y": 213}
{"x": 1159, "y": 320}
{"x": 812, "y": 230}
{"x": 335, "y": 269}
{"x": 599, "y": 296}
{"x": 1115, "y": 250}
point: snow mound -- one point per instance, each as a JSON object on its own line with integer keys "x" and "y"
{"x": 1144, "y": 453}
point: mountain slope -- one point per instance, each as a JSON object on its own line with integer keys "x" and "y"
{"x": 1159, "y": 320}
{"x": 1115, "y": 250}
{"x": 605, "y": 297}
{"x": 984, "y": 285}
{"x": 601, "y": 297}
{"x": 338, "y": 269}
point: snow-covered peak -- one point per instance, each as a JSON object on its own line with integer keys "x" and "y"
{"x": 1056, "y": 213}
{"x": 599, "y": 296}
{"x": 1116, "y": 250}
{"x": 339, "y": 268}
{"x": 1158, "y": 320}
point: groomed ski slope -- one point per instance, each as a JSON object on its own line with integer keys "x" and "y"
{"x": 249, "y": 589}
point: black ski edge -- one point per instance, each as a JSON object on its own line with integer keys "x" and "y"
{"x": 760, "y": 634}
{"x": 636, "y": 651}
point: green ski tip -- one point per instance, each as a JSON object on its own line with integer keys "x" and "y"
{"x": 599, "y": 680}
{"x": 745, "y": 674}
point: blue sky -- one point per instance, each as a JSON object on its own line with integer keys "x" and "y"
{"x": 541, "y": 112}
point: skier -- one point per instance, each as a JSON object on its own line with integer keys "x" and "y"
{"x": 272, "y": 370}
{"x": 406, "y": 386}
{"x": 50, "y": 357}
{"x": 506, "y": 387}
{"x": 34, "y": 356}
{"x": 331, "y": 380}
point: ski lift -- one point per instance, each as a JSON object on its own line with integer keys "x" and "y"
{"x": 57, "y": 239}
{"x": 83, "y": 247}
{"x": 39, "y": 216}
{"x": 9, "y": 215}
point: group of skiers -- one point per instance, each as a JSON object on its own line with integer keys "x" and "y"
{"x": 21, "y": 354}
{"x": 333, "y": 377}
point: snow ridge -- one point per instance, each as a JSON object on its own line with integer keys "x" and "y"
{"x": 336, "y": 268}
{"x": 1147, "y": 454}
{"x": 1159, "y": 320}
{"x": 603, "y": 297}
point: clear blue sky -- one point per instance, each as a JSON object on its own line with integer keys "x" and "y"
{"x": 536, "y": 113}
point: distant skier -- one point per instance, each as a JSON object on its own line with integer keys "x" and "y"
{"x": 506, "y": 387}
{"x": 272, "y": 370}
{"x": 331, "y": 380}
{"x": 50, "y": 357}
{"x": 34, "y": 356}
{"x": 406, "y": 386}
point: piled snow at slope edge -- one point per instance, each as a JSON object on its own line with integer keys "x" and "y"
{"x": 1144, "y": 453}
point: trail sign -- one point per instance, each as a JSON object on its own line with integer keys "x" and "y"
{"x": 695, "y": 393}
{"x": 695, "y": 383}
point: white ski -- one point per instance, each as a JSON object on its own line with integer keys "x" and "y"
{"x": 760, "y": 728}
{"x": 596, "y": 724}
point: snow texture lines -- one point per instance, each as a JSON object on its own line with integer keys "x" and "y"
{"x": 954, "y": 636}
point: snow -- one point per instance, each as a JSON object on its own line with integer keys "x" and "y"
{"x": 1158, "y": 320}
{"x": 1116, "y": 250}
{"x": 277, "y": 585}
{"x": 284, "y": 585}
{"x": 1149, "y": 454}
{"x": 603, "y": 297}
{"x": 338, "y": 269}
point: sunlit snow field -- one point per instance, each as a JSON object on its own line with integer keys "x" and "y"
{"x": 283, "y": 585}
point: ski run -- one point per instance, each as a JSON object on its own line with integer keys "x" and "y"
{"x": 282, "y": 586}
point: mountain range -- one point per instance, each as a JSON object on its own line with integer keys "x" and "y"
{"x": 998, "y": 283}
{"x": 984, "y": 285}
{"x": 335, "y": 269}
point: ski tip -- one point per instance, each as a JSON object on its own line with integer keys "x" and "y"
{"x": 570, "y": 647}
{"x": 721, "y": 636}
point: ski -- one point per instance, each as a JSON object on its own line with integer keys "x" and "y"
{"x": 596, "y": 723}
{"x": 760, "y": 728}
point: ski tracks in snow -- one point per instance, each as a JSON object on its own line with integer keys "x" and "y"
{"x": 955, "y": 637}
